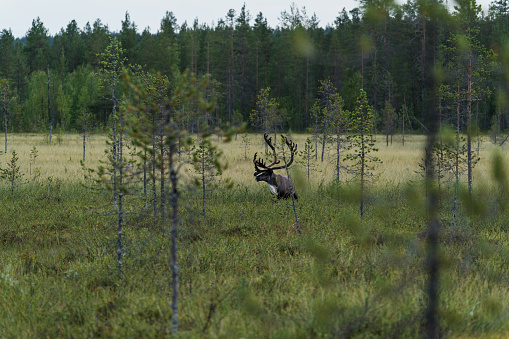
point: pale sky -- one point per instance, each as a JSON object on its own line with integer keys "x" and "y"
{"x": 17, "y": 15}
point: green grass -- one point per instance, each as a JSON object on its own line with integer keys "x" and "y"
{"x": 245, "y": 271}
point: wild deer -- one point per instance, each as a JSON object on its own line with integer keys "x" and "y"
{"x": 279, "y": 185}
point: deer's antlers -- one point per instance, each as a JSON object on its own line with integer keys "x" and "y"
{"x": 260, "y": 163}
{"x": 293, "y": 149}
{"x": 269, "y": 142}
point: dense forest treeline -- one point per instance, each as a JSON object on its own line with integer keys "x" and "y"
{"x": 380, "y": 47}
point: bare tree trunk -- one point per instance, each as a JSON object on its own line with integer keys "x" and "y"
{"x": 469, "y": 126}
{"x": 477, "y": 128}
{"x": 5, "y": 123}
{"x": 325, "y": 127}
{"x": 162, "y": 179}
{"x": 174, "y": 234}
{"x": 203, "y": 183}
{"x": 115, "y": 160}
{"x": 363, "y": 164}
{"x": 309, "y": 165}
{"x": 404, "y": 126}
{"x": 432, "y": 206}
{"x": 145, "y": 195}
{"x": 307, "y": 87}
{"x": 49, "y": 111}
{"x": 154, "y": 185}
{"x": 292, "y": 190}
{"x": 120, "y": 213}
{"x": 84, "y": 141}
{"x": 338, "y": 144}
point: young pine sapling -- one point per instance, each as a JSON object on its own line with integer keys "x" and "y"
{"x": 12, "y": 173}
{"x": 207, "y": 166}
{"x": 308, "y": 156}
{"x": 362, "y": 145}
{"x": 34, "y": 153}
{"x": 245, "y": 144}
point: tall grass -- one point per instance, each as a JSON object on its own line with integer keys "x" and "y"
{"x": 245, "y": 271}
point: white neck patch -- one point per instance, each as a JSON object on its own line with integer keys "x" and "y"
{"x": 273, "y": 188}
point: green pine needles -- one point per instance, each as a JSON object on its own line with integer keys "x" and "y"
{"x": 12, "y": 173}
{"x": 207, "y": 166}
{"x": 362, "y": 145}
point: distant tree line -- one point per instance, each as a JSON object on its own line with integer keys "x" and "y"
{"x": 380, "y": 47}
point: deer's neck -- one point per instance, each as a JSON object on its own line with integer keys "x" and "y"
{"x": 272, "y": 180}
{"x": 273, "y": 189}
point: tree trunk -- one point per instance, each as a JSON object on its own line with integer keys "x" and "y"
{"x": 119, "y": 166}
{"x": 326, "y": 126}
{"x": 145, "y": 195}
{"x": 5, "y": 125}
{"x": 203, "y": 183}
{"x": 84, "y": 141}
{"x": 338, "y": 144}
{"x": 174, "y": 234}
{"x": 404, "y": 127}
{"x": 469, "y": 126}
{"x": 161, "y": 169}
{"x": 49, "y": 111}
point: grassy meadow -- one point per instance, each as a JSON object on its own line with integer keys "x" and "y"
{"x": 245, "y": 272}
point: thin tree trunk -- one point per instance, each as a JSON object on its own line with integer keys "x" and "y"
{"x": 338, "y": 144}
{"x": 362, "y": 175}
{"x": 49, "y": 111}
{"x": 404, "y": 123}
{"x": 309, "y": 165}
{"x": 469, "y": 126}
{"x": 326, "y": 126}
{"x": 161, "y": 169}
{"x": 203, "y": 183}
{"x": 5, "y": 123}
{"x": 432, "y": 206}
{"x": 120, "y": 225}
{"x": 115, "y": 161}
{"x": 84, "y": 141}
{"x": 145, "y": 195}
{"x": 174, "y": 234}
{"x": 477, "y": 128}
{"x": 292, "y": 190}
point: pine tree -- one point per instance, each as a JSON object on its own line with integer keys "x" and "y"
{"x": 267, "y": 116}
{"x": 361, "y": 146}
{"x": 470, "y": 63}
{"x": 187, "y": 88}
{"x": 307, "y": 154}
{"x": 112, "y": 66}
{"x": 207, "y": 166}
{"x": 12, "y": 173}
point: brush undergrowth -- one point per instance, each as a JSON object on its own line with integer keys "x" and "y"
{"x": 245, "y": 271}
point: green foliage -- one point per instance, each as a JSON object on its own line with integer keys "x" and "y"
{"x": 362, "y": 49}
{"x": 34, "y": 153}
{"x": 245, "y": 144}
{"x": 35, "y": 108}
{"x": 207, "y": 166}
{"x": 308, "y": 155}
{"x": 361, "y": 142}
{"x": 267, "y": 116}
{"x": 251, "y": 275}
{"x": 206, "y": 157}
{"x": 12, "y": 173}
